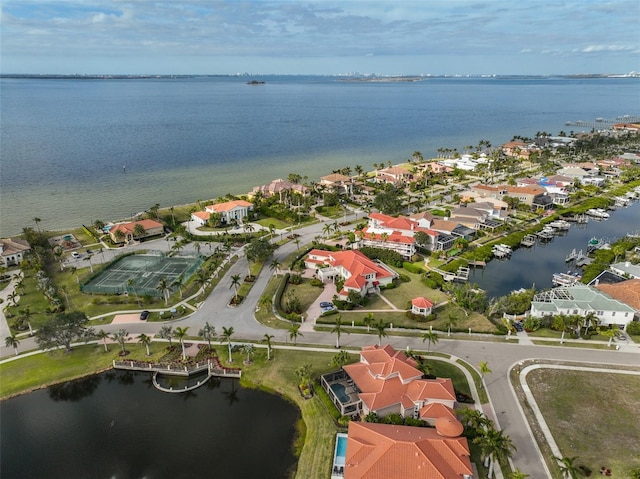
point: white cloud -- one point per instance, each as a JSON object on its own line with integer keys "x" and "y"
{"x": 609, "y": 48}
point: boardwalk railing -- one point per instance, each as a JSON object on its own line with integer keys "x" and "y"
{"x": 213, "y": 366}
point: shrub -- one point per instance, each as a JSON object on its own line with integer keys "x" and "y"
{"x": 344, "y": 421}
{"x": 315, "y": 282}
{"x": 404, "y": 278}
{"x": 413, "y": 268}
{"x": 633, "y": 327}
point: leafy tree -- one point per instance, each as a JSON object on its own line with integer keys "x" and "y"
{"x": 484, "y": 369}
{"x": 260, "y": 249}
{"x": 25, "y": 315}
{"x": 267, "y": 339}
{"x": 305, "y": 374}
{"x": 388, "y": 202}
{"x": 226, "y": 336}
{"x": 180, "y": 334}
{"x": 166, "y": 332}
{"x": 120, "y": 337}
{"x": 517, "y": 474}
{"x": 341, "y": 359}
{"x": 146, "y": 340}
{"x": 61, "y": 330}
{"x": 12, "y": 342}
{"x": 207, "y": 332}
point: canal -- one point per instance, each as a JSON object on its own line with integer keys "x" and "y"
{"x": 117, "y": 425}
{"x": 535, "y": 266}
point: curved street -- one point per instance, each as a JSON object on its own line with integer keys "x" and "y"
{"x": 500, "y": 356}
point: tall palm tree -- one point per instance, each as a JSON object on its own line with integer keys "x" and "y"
{"x": 451, "y": 321}
{"x": 249, "y": 349}
{"x": 131, "y": 285}
{"x": 166, "y": 332}
{"x": 337, "y": 329}
{"x": 518, "y": 474}
{"x": 12, "y": 342}
{"x": 381, "y": 327}
{"x": 103, "y": 335}
{"x": 495, "y": 446}
{"x": 201, "y": 280}
{"x": 37, "y": 221}
{"x": 267, "y": 339}
{"x": 475, "y": 420}
{"x": 275, "y": 265}
{"x": 138, "y": 231}
{"x": 208, "y": 333}
{"x": 180, "y": 334}
{"x": 226, "y": 336}
{"x": 120, "y": 337}
{"x": 235, "y": 283}
{"x": 25, "y": 315}
{"x": 164, "y": 289}
{"x": 13, "y": 298}
{"x": 146, "y": 340}
{"x": 368, "y": 321}
{"x": 568, "y": 467}
{"x": 484, "y": 369}
{"x": 431, "y": 337}
{"x": 74, "y": 271}
{"x": 294, "y": 332}
{"x": 178, "y": 283}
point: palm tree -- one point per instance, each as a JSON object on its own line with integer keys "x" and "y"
{"x": 451, "y": 322}
{"x": 131, "y": 284}
{"x": 517, "y": 474}
{"x": 431, "y": 337}
{"x": 166, "y": 332}
{"x": 208, "y": 333}
{"x": 484, "y": 369}
{"x": 146, "y": 340}
{"x": 103, "y": 335}
{"x": 12, "y": 342}
{"x": 25, "y": 314}
{"x": 180, "y": 334}
{"x": 37, "y": 220}
{"x": 13, "y": 297}
{"x": 495, "y": 446}
{"x": 475, "y": 420}
{"x": 201, "y": 280}
{"x": 120, "y": 337}
{"x": 165, "y": 289}
{"x": 381, "y": 327}
{"x": 294, "y": 332}
{"x": 138, "y": 231}
{"x": 368, "y": 321}
{"x": 267, "y": 339}
{"x": 235, "y": 283}
{"x": 178, "y": 283}
{"x": 74, "y": 270}
{"x": 337, "y": 329}
{"x": 275, "y": 265}
{"x": 341, "y": 358}
{"x": 249, "y": 349}
{"x": 226, "y": 335}
{"x": 568, "y": 468}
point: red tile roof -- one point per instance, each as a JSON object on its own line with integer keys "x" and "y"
{"x": 626, "y": 291}
{"x": 421, "y": 302}
{"x": 128, "y": 227}
{"x": 384, "y": 451}
{"x": 229, "y": 205}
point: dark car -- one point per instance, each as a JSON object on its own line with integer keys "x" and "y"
{"x": 144, "y": 315}
{"x": 326, "y": 304}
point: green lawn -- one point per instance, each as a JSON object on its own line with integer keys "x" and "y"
{"x": 592, "y": 415}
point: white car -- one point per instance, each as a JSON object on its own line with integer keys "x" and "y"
{"x": 75, "y": 255}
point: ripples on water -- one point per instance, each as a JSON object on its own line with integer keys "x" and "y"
{"x": 65, "y": 142}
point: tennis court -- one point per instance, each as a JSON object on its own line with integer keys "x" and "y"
{"x": 141, "y": 273}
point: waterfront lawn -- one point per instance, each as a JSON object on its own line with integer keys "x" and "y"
{"x": 592, "y": 415}
{"x": 40, "y": 370}
{"x": 402, "y": 295}
{"x": 279, "y": 375}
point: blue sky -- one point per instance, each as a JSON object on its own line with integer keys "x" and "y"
{"x": 320, "y": 37}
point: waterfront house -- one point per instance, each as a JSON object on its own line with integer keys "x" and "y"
{"x": 229, "y": 211}
{"x": 279, "y": 187}
{"x": 359, "y": 273}
{"x": 626, "y": 269}
{"x": 395, "y": 175}
{"x": 382, "y": 451}
{"x": 338, "y": 183}
{"x": 150, "y": 227}
{"x": 582, "y": 300}
{"x": 386, "y": 381}
{"x": 13, "y": 251}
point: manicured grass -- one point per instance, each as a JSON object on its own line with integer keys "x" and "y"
{"x": 585, "y": 345}
{"x": 40, "y": 370}
{"x": 278, "y": 224}
{"x": 592, "y": 415}
{"x": 405, "y": 292}
{"x": 306, "y": 293}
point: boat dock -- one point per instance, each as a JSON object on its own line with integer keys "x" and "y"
{"x": 528, "y": 241}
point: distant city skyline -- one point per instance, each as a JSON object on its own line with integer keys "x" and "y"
{"x": 456, "y": 37}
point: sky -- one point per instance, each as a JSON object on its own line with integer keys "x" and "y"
{"x": 419, "y": 37}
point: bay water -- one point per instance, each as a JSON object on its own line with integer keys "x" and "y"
{"x": 76, "y": 150}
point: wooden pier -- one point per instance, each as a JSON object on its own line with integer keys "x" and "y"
{"x": 528, "y": 241}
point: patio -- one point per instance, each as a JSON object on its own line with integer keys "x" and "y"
{"x": 343, "y": 392}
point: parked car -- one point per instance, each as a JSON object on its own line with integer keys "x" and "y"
{"x": 144, "y": 315}
{"x": 75, "y": 255}
{"x": 326, "y": 304}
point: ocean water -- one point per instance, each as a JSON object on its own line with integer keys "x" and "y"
{"x": 73, "y": 151}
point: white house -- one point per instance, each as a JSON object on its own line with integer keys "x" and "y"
{"x": 229, "y": 212}
{"x": 12, "y": 251}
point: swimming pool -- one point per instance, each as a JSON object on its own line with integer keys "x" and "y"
{"x": 340, "y": 393}
{"x": 339, "y": 455}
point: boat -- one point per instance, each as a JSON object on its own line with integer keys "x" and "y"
{"x": 597, "y": 213}
{"x": 528, "y": 240}
{"x": 571, "y": 256}
{"x": 565, "y": 279}
{"x": 503, "y": 248}
{"x": 560, "y": 224}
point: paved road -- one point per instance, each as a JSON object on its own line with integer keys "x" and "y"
{"x": 501, "y": 356}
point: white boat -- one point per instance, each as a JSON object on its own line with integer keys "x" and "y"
{"x": 503, "y": 248}
{"x": 565, "y": 279}
{"x": 597, "y": 213}
{"x": 560, "y": 224}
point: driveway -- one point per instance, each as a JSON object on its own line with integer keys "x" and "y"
{"x": 313, "y": 312}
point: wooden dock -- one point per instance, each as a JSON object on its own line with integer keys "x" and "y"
{"x": 528, "y": 241}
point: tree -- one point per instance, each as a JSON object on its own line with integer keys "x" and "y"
{"x": 495, "y": 446}
{"x": 180, "y": 334}
{"x": 341, "y": 358}
{"x": 249, "y": 349}
{"x": 368, "y": 321}
{"x": 12, "y": 342}
{"x": 294, "y": 332}
{"x": 568, "y": 467}
{"x": 37, "y": 221}
{"x": 178, "y": 283}
{"x": 131, "y": 285}
{"x": 25, "y": 315}
{"x": 267, "y": 339}
{"x": 337, "y": 329}
{"x": 207, "y": 332}
{"x": 235, "y": 283}
{"x": 146, "y": 340}
{"x": 226, "y": 335}
{"x": 451, "y": 321}
{"x": 381, "y": 327}
{"x": 431, "y": 337}
{"x": 166, "y": 332}
{"x": 138, "y": 231}
{"x": 13, "y": 298}
{"x": 475, "y": 420}
{"x": 518, "y": 474}
{"x": 61, "y": 330}
{"x": 484, "y": 369}
{"x": 164, "y": 289}
{"x": 275, "y": 265}
{"x": 120, "y": 337}
{"x": 305, "y": 373}
{"x": 103, "y": 336}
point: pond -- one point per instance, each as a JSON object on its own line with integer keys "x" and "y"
{"x": 117, "y": 425}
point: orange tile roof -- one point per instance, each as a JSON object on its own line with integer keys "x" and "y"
{"x": 421, "y": 302}
{"x": 626, "y": 291}
{"x": 128, "y": 227}
{"x": 435, "y": 410}
{"x": 383, "y": 451}
{"x": 203, "y": 215}
{"x": 229, "y": 205}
